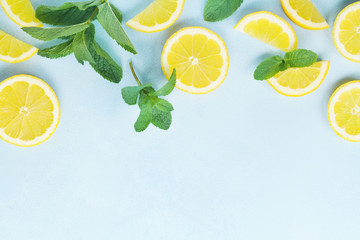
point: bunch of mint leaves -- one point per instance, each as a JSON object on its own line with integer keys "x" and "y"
{"x": 293, "y": 59}
{"x": 217, "y": 10}
{"x": 153, "y": 109}
{"x": 73, "y": 21}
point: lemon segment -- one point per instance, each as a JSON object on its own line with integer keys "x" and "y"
{"x": 29, "y": 111}
{"x": 346, "y": 32}
{"x": 13, "y": 50}
{"x": 21, "y": 12}
{"x": 344, "y": 111}
{"x": 296, "y": 82}
{"x": 200, "y": 58}
{"x": 304, "y": 14}
{"x": 269, "y": 28}
{"x": 159, "y": 15}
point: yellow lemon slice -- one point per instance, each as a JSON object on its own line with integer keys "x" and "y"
{"x": 200, "y": 58}
{"x": 346, "y": 32}
{"x": 304, "y": 14}
{"x": 29, "y": 111}
{"x": 269, "y": 28}
{"x": 344, "y": 111}
{"x": 13, "y": 50}
{"x": 158, "y": 16}
{"x": 296, "y": 82}
{"x": 21, "y": 12}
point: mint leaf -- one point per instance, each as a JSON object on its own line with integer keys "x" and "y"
{"x": 163, "y": 105}
{"x": 110, "y": 22}
{"x": 67, "y": 14}
{"x": 268, "y": 68}
{"x": 161, "y": 119}
{"x": 81, "y": 47}
{"x": 168, "y": 87}
{"x": 284, "y": 66}
{"x": 117, "y": 12}
{"x": 144, "y": 118}
{"x": 47, "y": 34}
{"x": 58, "y": 51}
{"x": 217, "y": 10}
{"x": 131, "y": 94}
{"x": 300, "y": 58}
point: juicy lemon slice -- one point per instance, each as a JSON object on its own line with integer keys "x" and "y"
{"x": 304, "y": 14}
{"x": 344, "y": 111}
{"x": 200, "y": 58}
{"x": 346, "y": 32}
{"x": 13, "y": 50}
{"x": 269, "y": 28}
{"x": 29, "y": 111}
{"x": 296, "y": 82}
{"x": 158, "y": 16}
{"x": 21, "y": 12}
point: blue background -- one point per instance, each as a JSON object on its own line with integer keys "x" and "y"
{"x": 242, "y": 162}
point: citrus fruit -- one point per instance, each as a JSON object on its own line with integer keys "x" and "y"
{"x": 29, "y": 110}
{"x": 296, "y": 82}
{"x": 269, "y": 28}
{"x": 21, "y": 12}
{"x": 158, "y": 16}
{"x": 304, "y": 14}
{"x": 344, "y": 111}
{"x": 200, "y": 58}
{"x": 346, "y": 32}
{"x": 13, "y": 50}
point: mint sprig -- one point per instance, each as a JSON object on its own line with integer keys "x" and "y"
{"x": 217, "y": 10}
{"x": 153, "y": 109}
{"x": 73, "y": 21}
{"x": 293, "y": 59}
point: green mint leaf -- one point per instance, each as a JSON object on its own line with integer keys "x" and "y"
{"x": 300, "y": 58}
{"x": 168, "y": 87}
{"x": 161, "y": 119}
{"x": 104, "y": 64}
{"x": 144, "y": 118}
{"x": 163, "y": 105}
{"x": 217, "y": 10}
{"x": 268, "y": 68}
{"x": 67, "y": 14}
{"x": 131, "y": 94}
{"x": 110, "y": 22}
{"x": 48, "y": 34}
{"x": 58, "y": 51}
{"x": 117, "y": 12}
{"x": 81, "y": 47}
{"x": 283, "y": 66}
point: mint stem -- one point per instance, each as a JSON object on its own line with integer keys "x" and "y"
{"x": 134, "y": 74}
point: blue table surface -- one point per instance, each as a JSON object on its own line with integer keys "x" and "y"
{"x": 242, "y": 162}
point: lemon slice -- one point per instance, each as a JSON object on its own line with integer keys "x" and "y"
{"x": 304, "y": 14}
{"x": 158, "y": 16}
{"x": 29, "y": 110}
{"x": 13, "y": 50}
{"x": 200, "y": 58}
{"x": 344, "y": 111}
{"x": 21, "y": 12}
{"x": 296, "y": 82}
{"x": 269, "y": 28}
{"x": 346, "y": 32}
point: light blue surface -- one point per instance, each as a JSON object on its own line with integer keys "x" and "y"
{"x": 242, "y": 162}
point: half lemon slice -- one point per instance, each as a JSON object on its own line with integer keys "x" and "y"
{"x": 296, "y": 82}
{"x": 158, "y": 16}
{"x": 21, "y": 12}
{"x": 29, "y": 111}
{"x": 344, "y": 111}
{"x": 200, "y": 58}
{"x": 13, "y": 50}
{"x": 304, "y": 14}
{"x": 269, "y": 28}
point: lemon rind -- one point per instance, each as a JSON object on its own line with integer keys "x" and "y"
{"x": 57, "y": 112}
{"x": 210, "y": 34}
{"x": 16, "y": 19}
{"x": 331, "y": 115}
